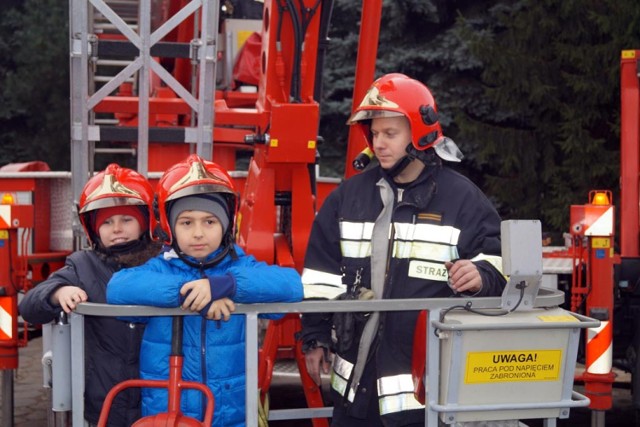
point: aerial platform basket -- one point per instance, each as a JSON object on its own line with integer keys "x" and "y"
{"x": 512, "y": 363}
{"x": 519, "y": 366}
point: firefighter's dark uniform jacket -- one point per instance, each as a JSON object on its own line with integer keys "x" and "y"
{"x": 439, "y": 217}
{"x": 111, "y": 346}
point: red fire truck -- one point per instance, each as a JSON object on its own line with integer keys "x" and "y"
{"x": 156, "y": 78}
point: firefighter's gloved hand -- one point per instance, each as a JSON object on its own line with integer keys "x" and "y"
{"x": 366, "y": 294}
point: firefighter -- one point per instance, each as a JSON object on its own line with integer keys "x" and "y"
{"x": 115, "y": 210}
{"x": 409, "y": 227}
{"x": 206, "y": 272}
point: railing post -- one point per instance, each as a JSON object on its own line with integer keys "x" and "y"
{"x": 251, "y": 366}
{"x": 61, "y": 370}
{"x": 77, "y": 368}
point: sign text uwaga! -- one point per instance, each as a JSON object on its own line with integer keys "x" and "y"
{"x": 505, "y": 366}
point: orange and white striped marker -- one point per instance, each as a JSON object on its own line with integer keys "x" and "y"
{"x": 600, "y": 348}
{"x": 6, "y": 318}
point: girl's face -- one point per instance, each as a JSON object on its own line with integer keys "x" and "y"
{"x": 119, "y": 229}
{"x": 198, "y": 233}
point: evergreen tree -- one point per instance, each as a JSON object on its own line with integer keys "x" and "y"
{"x": 545, "y": 129}
{"x": 34, "y": 89}
{"x": 417, "y": 38}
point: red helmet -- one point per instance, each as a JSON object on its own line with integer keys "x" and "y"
{"x": 194, "y": 176}
{"x": 115, "y": 186}
{"x": 394, "y": 95}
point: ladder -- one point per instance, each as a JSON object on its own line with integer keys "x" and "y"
{"x": 120, "y": 34}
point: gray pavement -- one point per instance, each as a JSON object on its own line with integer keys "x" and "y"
{"x": 32, "y": 400}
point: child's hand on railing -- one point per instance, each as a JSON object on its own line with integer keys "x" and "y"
{"x": 221, "y": 309}
{"x": 68, "y": 297}
{"x": 196, "y": 294}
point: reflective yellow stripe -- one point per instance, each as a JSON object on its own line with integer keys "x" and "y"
{"x": 417, "y": 241}
{"x": 395, "y": 384}
{"x": 351, "y": 249}
{"x": 338, "y": 384}
{"x": 424, "y": 251}
{"x": 494, "y": 260}
{"x": 402, "y": 250}
{"x": 341, "y": 372}
{"x": 396, "y": 394}
{"x": 427, "y": 233}
{"x": 398, "y": 403}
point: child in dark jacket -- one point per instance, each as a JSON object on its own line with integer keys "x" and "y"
{"x": 204, "y": 271}
{"x": 114, "y": 209}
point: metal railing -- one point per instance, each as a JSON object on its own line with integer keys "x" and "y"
{"x": 546, "y": 298}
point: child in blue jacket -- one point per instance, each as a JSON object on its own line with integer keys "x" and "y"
{"x": 204, "y": 271}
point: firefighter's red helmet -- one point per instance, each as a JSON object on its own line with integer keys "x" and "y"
{"x": 114, "y": 186}
{"x": 394, "y": 95}
{"x": 190, "y": 177}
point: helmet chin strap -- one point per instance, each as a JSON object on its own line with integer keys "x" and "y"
{"x": 401, "y": 164}
{"x": 428, "y": 157}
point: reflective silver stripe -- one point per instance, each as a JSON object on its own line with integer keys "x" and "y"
{"x": 395, "y": 384}
{"x": 323, "y": 291}
{"x": 494, "y": 260}
{"x": 342, "y": 367}
{"x": 318, "y": 284}
{"x": 396, "y": 394}
{"x": 398, "y": 403}
{"x": 355, "y": 249}
{"x": 417, "y": 241}
{"x": 356, "y": 230}
{"x": 355, "y": 239}
{"x": 341, "y": 372}
{"x": 310, "y": 277}
{"x": 427, "y": 232}
{"x": 424, "y": 251}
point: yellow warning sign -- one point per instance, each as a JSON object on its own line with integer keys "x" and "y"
{"x": 558, "y": 318}
{"x": 512, "y": 366}
{"x": 600, "y": 242}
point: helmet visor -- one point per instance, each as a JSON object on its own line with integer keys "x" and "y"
{"x": 204, "y": 188}
{"x": 371, "y": 114}
{"x": 110, "y": 202}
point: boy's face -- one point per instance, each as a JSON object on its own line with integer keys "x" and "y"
{"x": 198, "y": 233}
{"x": 118, "y": 229}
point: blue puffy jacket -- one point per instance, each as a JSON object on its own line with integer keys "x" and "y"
{"x": 214, "y": 351}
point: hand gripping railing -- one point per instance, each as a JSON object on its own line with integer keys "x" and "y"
{"x": 546, "y": 298}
